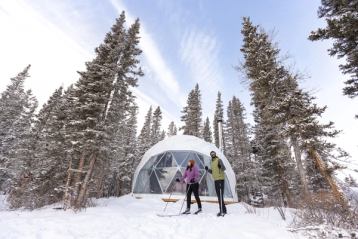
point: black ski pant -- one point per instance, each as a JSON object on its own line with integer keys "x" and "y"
{"x": 192, "y": 188}
{"x": 219, "y": 188}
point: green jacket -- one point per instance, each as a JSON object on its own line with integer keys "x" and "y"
{"x": 216, "y": 171}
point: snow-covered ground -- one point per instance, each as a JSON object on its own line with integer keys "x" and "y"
{"x": 127, "y": 217}
{"x": 351, "y": 168}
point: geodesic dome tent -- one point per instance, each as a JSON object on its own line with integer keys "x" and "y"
{"x": 167, "y": 160}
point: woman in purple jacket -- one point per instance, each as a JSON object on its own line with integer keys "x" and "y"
{"x": 191, "y": 177}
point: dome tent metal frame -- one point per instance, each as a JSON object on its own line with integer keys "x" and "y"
{"x": 167, "y": 160}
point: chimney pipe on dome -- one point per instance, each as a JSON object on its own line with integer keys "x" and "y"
{"x": 221, "y": 142}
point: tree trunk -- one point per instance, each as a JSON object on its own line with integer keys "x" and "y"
{"x": 67, "y": 196}
{"x": 77, "y": 181}
{"x": 284, "y": 185}
{"x": 337, "y": 193}
{"x": 300, "y": 168}
{"x": 287, "y": 193}
{"x": 82, "y": 194}
{"x": 99, "y": 184}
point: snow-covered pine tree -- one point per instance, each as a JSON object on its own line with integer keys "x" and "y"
{"x": 265, "y": 75}
{"x": 114, "y": 175}
{"x": 131, "y": 148}
{"x": 282, "y": 109}
{"x": 116, "y": 60}
{"x": 144, "y": 140}
{"x": 12, "y": 103}
{"x": 172, "y": 129}
{"x": 192, "y": 114}
{"x": 108, "y": 181}
{"x": 207, "y": 135}
{"x": 304, "y": 130}
{"x": 114, "y": 178}
{"x": 238, "y": 148}
{"x": 47, "y": 166}
{"x": 218, "y": 115}
{"x": 21, "y": 135}
{"x": 155, "y": 132}
{"x": 342, "y": 21}
{"x": 16, "y": 116}
{"x": 19, "y": 144}
{"x": 130, "y": 74}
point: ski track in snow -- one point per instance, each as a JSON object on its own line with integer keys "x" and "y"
{"x": 127, "y": 217}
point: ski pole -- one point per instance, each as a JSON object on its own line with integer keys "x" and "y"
{"x": 170, "y": 195}
{"x": 185, "y": 198}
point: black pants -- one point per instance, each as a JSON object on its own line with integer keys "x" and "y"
{"x": 219, "y": 188}
{"x": 192, "y": 188}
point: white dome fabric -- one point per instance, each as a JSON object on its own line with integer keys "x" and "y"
{"x": 166, "y": 161}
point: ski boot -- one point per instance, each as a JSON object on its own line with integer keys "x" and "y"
{"x": 187, "y": 211}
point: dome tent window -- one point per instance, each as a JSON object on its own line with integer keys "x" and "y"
{"x": 168, "y": 159}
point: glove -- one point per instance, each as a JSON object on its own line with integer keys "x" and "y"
{"x": 177, "y": 180}
{"x": 192, "y": 180}
{"x": 206, "y": 168}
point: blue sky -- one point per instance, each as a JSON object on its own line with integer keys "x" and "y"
{"x": 183, "y": 42}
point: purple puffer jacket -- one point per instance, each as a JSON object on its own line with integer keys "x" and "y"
{"x": 191, "y": 174}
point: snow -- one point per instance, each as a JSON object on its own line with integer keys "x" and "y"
{"x": 190, "y": 143}
{"x": 3, "y": 204}
{"x": 350, "y": 168}
{"x": 128, "y": 217}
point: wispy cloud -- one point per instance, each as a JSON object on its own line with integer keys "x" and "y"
{"x": 52, "y": 49}
{"x": 29, "y": 38}
{"x": 154, "y": 59}
{"x": 199, "y": 52}
{"x": 144, "y": 101}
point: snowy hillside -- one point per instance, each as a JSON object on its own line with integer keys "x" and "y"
{"x": 127, "y": 217}
{"x": 351, "y": 169}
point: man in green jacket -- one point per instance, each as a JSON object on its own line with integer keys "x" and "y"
{"x": 217, "y": 171}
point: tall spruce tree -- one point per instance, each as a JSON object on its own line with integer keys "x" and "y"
{"x": 47, "y": 166}
{"x": 238, "y": 149}
{"x": 86, "y": 127}
{"x": 192, "y": 114}
{"x": 121, "y": 121}
{"x": 116, "y": 61}
{"x": 20, "y": 138}
{"x": 285, "y": 115}
{"x": 131, "y": 147}
{"x": 156, "y": 132}
{"x": 17, "y": 107}
{"x": 265, "y": 75}
{"x": 207, "y": 134}
{"x": 342, "y": 27}
{"x": 115, "y": 127}
{"x": 144, "y": 138}
{"x": 302, "y": 127}
{"x": 12, "y": 102}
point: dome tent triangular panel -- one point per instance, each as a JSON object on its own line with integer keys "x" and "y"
{"x": 193, "y": 156}
{"x": 165, "y": 176}
{"x": 154, "y": 184}
{"x": 168, "y": 159}
{"x": 174, "y": 186}
{"x": 180, "y": 156}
